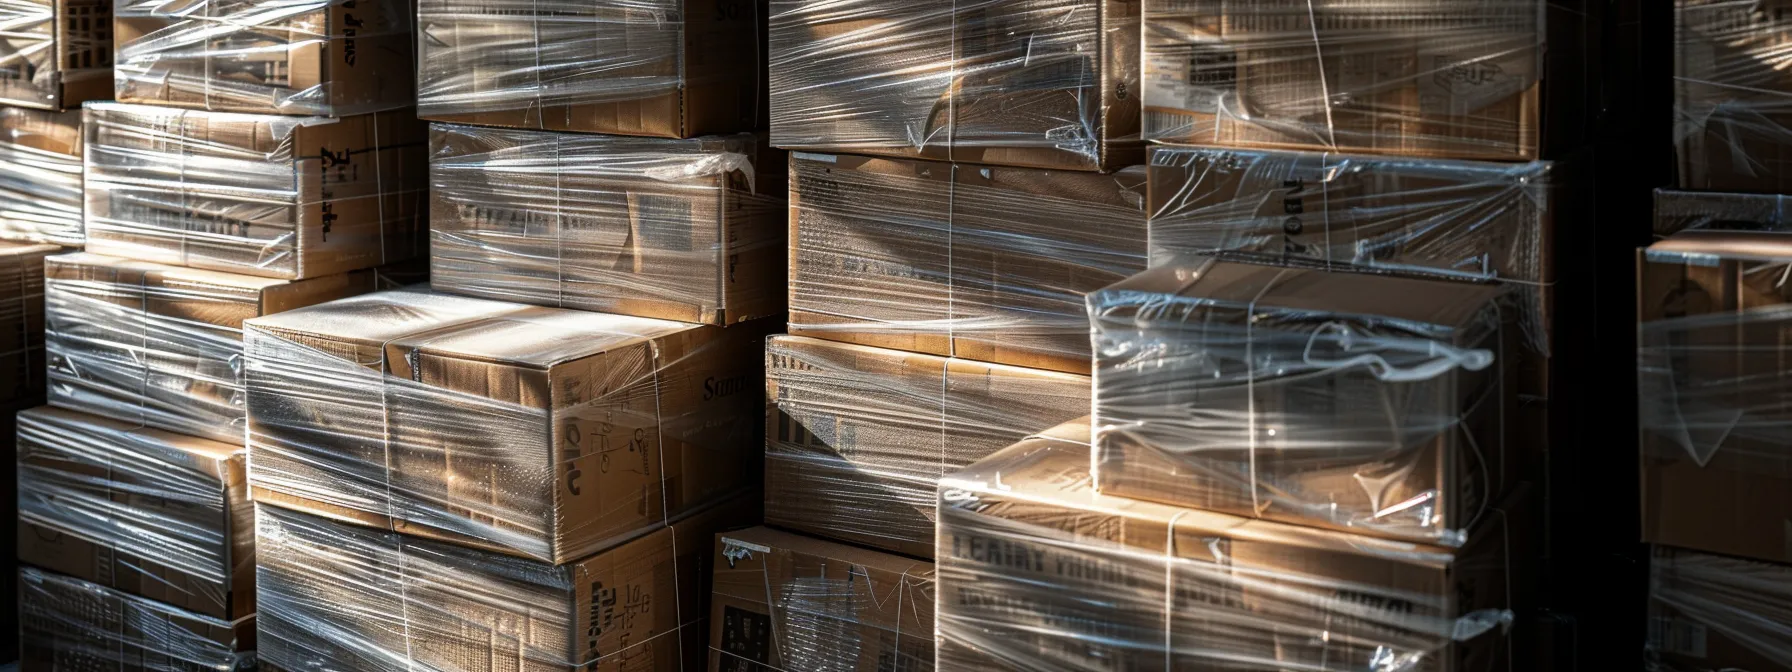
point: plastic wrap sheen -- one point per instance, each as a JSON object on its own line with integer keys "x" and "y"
{"x": 1733, "y": 95}
{"x": 66, "y": 623}
{"x": 40, "y": 176}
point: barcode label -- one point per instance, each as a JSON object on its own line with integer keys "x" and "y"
{"x": 1677, "y": 637}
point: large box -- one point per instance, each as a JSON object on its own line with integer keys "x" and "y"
{"x": 1367, "y": 403}
{"x": 1038, "y": 572}
{"x": 1714, "y": 376}
{"x": 162, "y": 345}
{"x": 783, "y": 601}
{"x": 858, "y": 437}
{"x": 1041, "y": 83}
{"x": 977, "y": 262}
{"x": 538, "y": 432}
{"x": 687, "y": 230}
{"x": 329, "y": 58}
{"x": 151, "y": 513}
{"x": 1733, "y": 95}
{"x": 665, "y": 68}
{"x": 40, "y": 176}
{"x": 1710, "y": 612}
{"x": 343, "y": 597}
{"x": 1677, "y": 211}
{"x": 264, "y": 195}
{"x": 69, "y": 624}
{"x": 22, "y": 323}
{"x": 55, "y": 54}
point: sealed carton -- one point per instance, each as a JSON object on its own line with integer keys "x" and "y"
{"x": 151, "y": 513}
{"x": 668, "y": 68}
{"x": 22, "y": 323}
{"x": 537, "y": 432}
{"x": 329, "y": 58}
{"x": 1710, "y": 612}
{"x": 788, "y": 602}
{"x": 1367, "y": 403}
{"x": 1733, "y": 95}
{"x": 687, "y": 230}
{"x": 1037, "y": 571}
{"x": 957, "y": 260}
{"x": 1045, "y": 84}
{"x": 55, "y": 54}
{"x": 67, "y": 623}
{"x": 40, "y": 176}
{"x": 162, "y": 346}
{"x": 1677, "y": 211}
{"x": 1712, "y": 375}
{"x": 857, "y": 437}
{"x": 263, "y": 195}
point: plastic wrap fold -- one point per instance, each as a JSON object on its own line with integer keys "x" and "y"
{"x": 22, "y": 323}
{"x": 151, "y": 513}
{"x": 40, "y": 176}
{"x": 1038, "y": 573}
{"x": 1367, "y": 403}
{"x": 1709, "y": 612}
{"x": 1044, "y": 83}
{"x": 537, "y": 432}
{"x": 70, "y": 624}
{"x": 263, "y": 195}
{"x": 1733, "y": 95}
{"x": 54, "y": 54}
{"x": 687, "y": 230}
{"x": 1677, "y": 211}
{"x": 958, "y": 260}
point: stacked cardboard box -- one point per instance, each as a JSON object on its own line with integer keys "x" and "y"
{"x": 1733, "y": 97}
{"x": 40, "y": 176}
{"x": 67, "y": 623}
{"x": 22, "y": 324}
{"x": 55, "y": 53}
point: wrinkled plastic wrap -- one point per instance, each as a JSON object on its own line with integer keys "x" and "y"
{"x": 1044, "y": 83}
{"x": 40, "y": 176}
{"x": 263, "y": 195}
{"x": 327, "y": 58}
{"x": 958, "y": 260}
{"x": 69, "y": 624}
{"x": 1367, "y": 403}
{"x": 54, "y": 54}
{"x": 537, "y": 432}
{"x": 1039, "y": 573}
{"x": 1446, "y": 78}
{"x": 687, "y": 230}
{"x": 1677, "y": 211}
{"x": 1733, "y": 95}
{"x": 1712, "y": 612}
{"x": 858, "y": 437}
{"x": 22, "y": 323}
{"x": 151, "y": 513}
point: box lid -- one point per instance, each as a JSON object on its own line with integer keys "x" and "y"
{"x": 132, "y": 436}
{"x": 1697, "y": 246}
{"x": 377, "y": 318}
{"x": 12, "y": 249}
{"x": 81, "y": 265}
{"x": 534, "y": 337}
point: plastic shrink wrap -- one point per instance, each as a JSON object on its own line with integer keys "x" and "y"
{"x": 786, "y": 603}
{"x": 537, "y": 432}
{"x": 1733, "y": 95}
{"x": 329, "y": 58}
{"x": 858, "y": 437}
{"x": 1677, "y": 211}
{"x": 1713, "y": 379}
{"x": 150, "y": 513}
{"x": 70, "y": 624}
{"x": 957, "y": 260}
{"x": 1367, "y": 403}
{"x": 1709, "y": 612}
{"x": 22, "y": 323}
{"x": 662, "y": 68}
{"x": 1042, "y": 83}
{"x": 1445, "y": 78}
{"x": 55, "y": 54}
{"x": 342, "y": 597}
{"x": 687, "y": 230}
{"x": 159, "y": 345}
{"x": 40, "y": 176}
{"x": 271, "y": 196}
{"x": 1039, "y": 573}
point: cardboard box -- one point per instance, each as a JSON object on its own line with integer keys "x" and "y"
{"x": 1709, "y": 612}
{"x": 66, "y": 623}
{"x": 337, "y": 596}
{"x": 1367, "y": 403}
{"x": 22, "y": 323}
{"x": 955, "y": 260}
{"x": 671, "y": 69}
{"x": 1715, "y": 467}
{"x": 270, "y": 196}
{"x": 151, "y": 513}
{"x": 687, "y": 230}
{"x": 858, "y": 437}
{"x": 1037, "y": 571}
{"x": 162, "y": 345}
{"x": 538, "y": 432}
{"x": 787, "y": 602}
{"x": 40, "y": 176}
{"x": 1733, "y": 96}
{"x": 56, "y": 54}
{"x": 1045, "y": 84}
{"x": 329, "y": 59}
{"x": 1677, "y": 211}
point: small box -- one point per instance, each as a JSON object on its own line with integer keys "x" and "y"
{"x": 22, "y": 323}
{"x": 858, "y": 437}
{"x": 668, "y": 69}
{"x": 1733, "y": 96}
{"x": 151, "y": 513}
{"x": 787, "y": 602}
{"x": 40, "y": 176}
{"x": 957, "y": 260}
{"x": 70, "y": 624}
{"x": 262, "y": 195}
{"x": 1710, "y": 612}
{"x": 56, "y": 54}
{"x": 1677, "y": 211}
{"x": 162, "y": 345}
{"x": 687, "y": 230}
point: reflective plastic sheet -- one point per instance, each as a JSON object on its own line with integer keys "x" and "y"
{"x": 66, "y": 623}
{"x": 40, "y": 176}
{"x": 1733, "y": 95}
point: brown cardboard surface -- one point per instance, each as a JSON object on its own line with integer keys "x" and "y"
{"x": 69, "y": 623}
{"x": 61, "y": 60}
{"x": 1709, "y": 612}
{"x": 22, "y": 322}
{"x": 1732, "y": 101}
